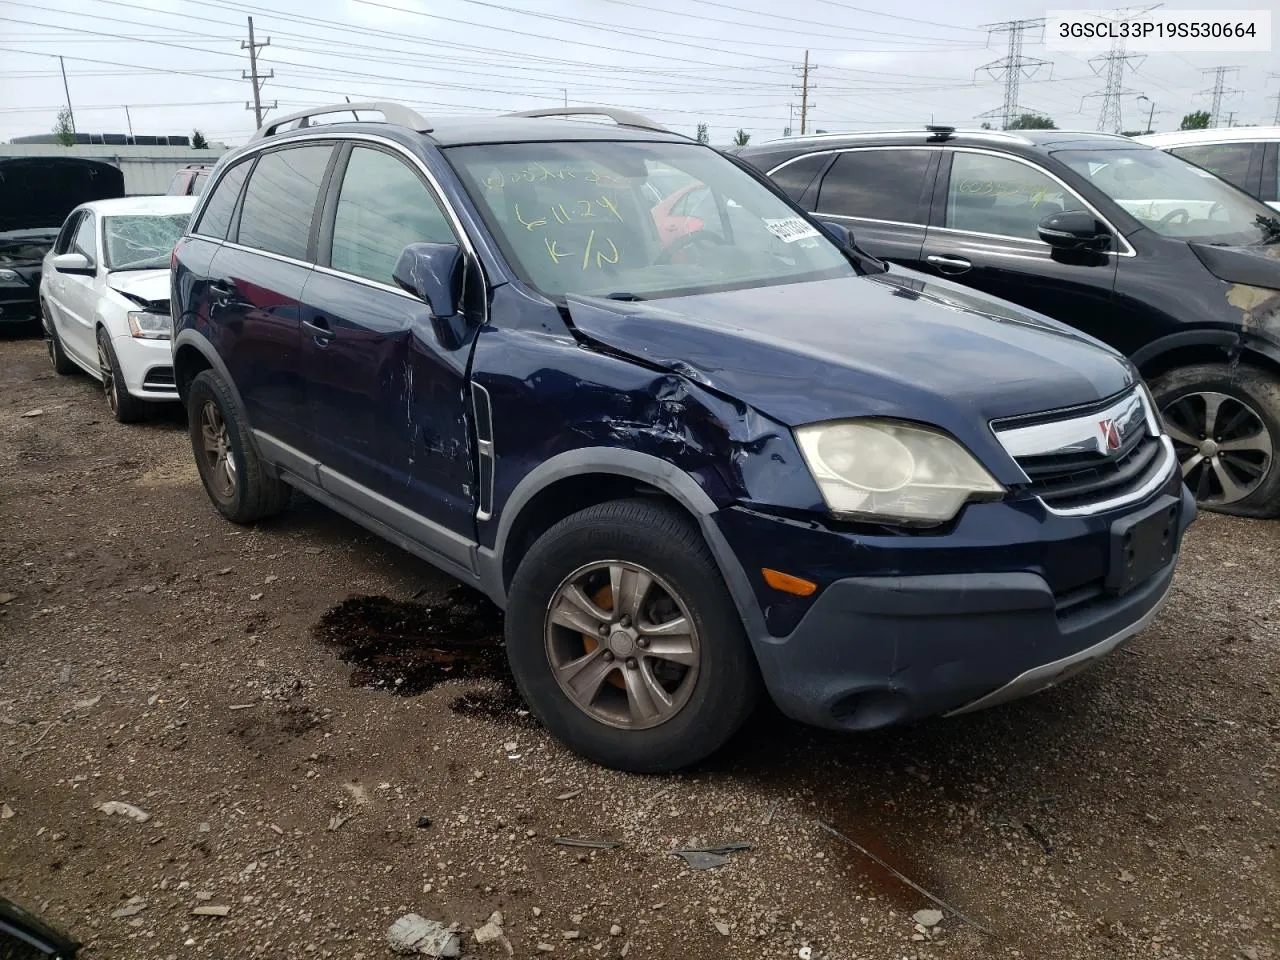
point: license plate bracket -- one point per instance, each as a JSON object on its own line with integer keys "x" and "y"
{"x": 1143, "y": 543}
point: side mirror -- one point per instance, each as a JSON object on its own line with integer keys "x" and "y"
{"x": 1074, "y": 230}
{"x": 432, "y": 272}
{"x": 76, "y": 263}
{"x": 838, "y": 232}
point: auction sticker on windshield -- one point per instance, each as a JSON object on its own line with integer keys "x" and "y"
{"x": 791, "y": 229}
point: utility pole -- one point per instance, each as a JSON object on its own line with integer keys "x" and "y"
{"x": 129, "y": 120}
{"x": 1218, "y": 91}
{"x": 67, "y": 90}
{"x": 1013, "y": 66}
{"x": 805, "y": 103}
{"x": 1231, "y": 118}
{"x": 253, "y": 47}
{"x": 565, "y": 91}
{"x": 1151, "y": 112}
{"x": 1275, "y": 97}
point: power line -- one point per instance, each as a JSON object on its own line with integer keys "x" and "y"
{"x": 1013, "y": 66}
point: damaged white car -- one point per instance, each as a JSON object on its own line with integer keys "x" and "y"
{"x": 104, "y": 298}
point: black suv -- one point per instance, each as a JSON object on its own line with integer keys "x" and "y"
{"x": 1136, "y": 247}
{"x": 688, "y": 440}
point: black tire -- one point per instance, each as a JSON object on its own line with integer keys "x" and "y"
{"x": 57, "y": 356}
{"x": 124, "y": 406}
{"x": 1257, "y": 395}
{"x": 664, "y": 540}
{"x": 253, "y": 494}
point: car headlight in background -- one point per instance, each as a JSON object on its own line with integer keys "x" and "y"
{"x": 889, "y": 471}
{"x": 10, "y": 276}
{"x": 150, "y": 326}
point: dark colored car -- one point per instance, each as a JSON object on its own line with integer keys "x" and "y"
{"x": 36, "y": 194}
{"x": 763, "y": 455}
{"x": 1155, "y": 256}
{"x": 190, "y": 180}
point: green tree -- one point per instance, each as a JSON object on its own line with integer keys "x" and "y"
{"x": 985, "y": 125}
{"x": 703, "y": 135}
{"x": 1199, "y": 120}
{"x": 63, "y": 128}
{"x": 198, "y": 142}
{"x": 1031, "y": 121}
{"x": 741, "y": 138}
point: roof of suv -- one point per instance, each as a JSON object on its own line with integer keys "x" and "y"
{"x": 533, "y": 126}
{"x": 1025, "y": 139}
{"x": 1182, "y": 138}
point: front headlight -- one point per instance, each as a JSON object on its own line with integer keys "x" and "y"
{"x": 888, "y": 471}
{"x": 150, "y": 326}
{"x": 10, "y": 276}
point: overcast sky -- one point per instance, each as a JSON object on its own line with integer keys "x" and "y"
{"x": 730, "y": 63}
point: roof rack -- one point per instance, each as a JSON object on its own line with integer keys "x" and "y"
{"x": 623, "y": 118}
{"x": 395, "y": 113}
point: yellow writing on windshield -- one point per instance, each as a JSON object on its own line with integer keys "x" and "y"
{"x": 601, "y": 257}
{"x": 528, "y": 224}
{"x": 608, "y": 205}
{"x": 554, "y": 251}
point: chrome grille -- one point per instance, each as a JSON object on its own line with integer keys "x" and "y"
{"x": 1092, "y": 458}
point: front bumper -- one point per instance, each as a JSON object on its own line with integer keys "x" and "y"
{"x": 18, "y": 305}
{"x": 905, "y": 642}
{"x": 147, "y": 367}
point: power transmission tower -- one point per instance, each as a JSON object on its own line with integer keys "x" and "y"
{"x": 1218, "y": 91}
{"x": 805, "y": 86}
{"x": 257, "y": 79}
{"x": 1013, "y": 66}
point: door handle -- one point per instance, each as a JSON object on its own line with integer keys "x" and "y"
{"x": 223, "y": 292}
{"x": 949, "y": 264}
{"x": 319, "y": 329}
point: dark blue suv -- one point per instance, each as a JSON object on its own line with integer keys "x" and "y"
{"x": 687, "y": 439}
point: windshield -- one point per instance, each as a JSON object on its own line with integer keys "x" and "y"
{"x": 1172, "y": 197}
{"x": 639, "y": 220}
{"x": 142, "y": 242}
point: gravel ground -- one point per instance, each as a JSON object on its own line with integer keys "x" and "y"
{"x": 320, "y": 781}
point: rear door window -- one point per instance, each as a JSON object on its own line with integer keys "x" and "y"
{"x": 218, "y": 211}
{"x": 877, "y": 185}
{"x": 996, "y": 195}
{"x": 383, "y": 207}
{"x": 280, "y": 201}
{"x": 1232, "y": 162}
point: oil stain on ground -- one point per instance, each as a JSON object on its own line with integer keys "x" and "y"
{"x": 406, "y": 647}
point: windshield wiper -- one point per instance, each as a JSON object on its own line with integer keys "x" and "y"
{"x": 1271, "y": 225}
{"x": 630, "y": 297}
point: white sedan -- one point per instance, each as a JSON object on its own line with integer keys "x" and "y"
{"x": 104, "y": 297}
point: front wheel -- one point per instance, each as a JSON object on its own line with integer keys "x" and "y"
{"x": 624, "y": 641}
{"x": 124, "y": 406}
{"x": 1224, "y": 421}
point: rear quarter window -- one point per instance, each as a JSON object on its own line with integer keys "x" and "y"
{"x": 216, "y": 218}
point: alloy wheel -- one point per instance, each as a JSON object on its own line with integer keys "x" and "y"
{"x": 622, "y": 644}
{"x": 219, "y": 460}
{"x": 1223, "y": 445}
{"x": 108, "y": 377}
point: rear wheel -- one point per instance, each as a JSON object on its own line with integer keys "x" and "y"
{"x": 624, "y": 640}
{"x": 233, "y": 475}
{"x": 123, "y": 405}
{"x": 1225, "y": 425}
{"x": 57, "y": 356}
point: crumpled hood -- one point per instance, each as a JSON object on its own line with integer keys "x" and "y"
{"x": 898, "y": 344}
{"x": 1256, "y": 266}
{"x": 147, "y": 288}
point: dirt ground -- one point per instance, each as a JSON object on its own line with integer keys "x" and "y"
{"x": 303, "y": 766}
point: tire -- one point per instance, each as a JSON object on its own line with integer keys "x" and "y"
{"x": 124, "y": 406}
{"x": 1245, "y": 403}
{"x": 62, "y": 364}
{"x": 243, "y": 492}
{"x": 711, "y": 691}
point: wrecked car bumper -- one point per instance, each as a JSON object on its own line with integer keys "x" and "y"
{"x": 883, "y": 647}
{"x": 147, "y": 367}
